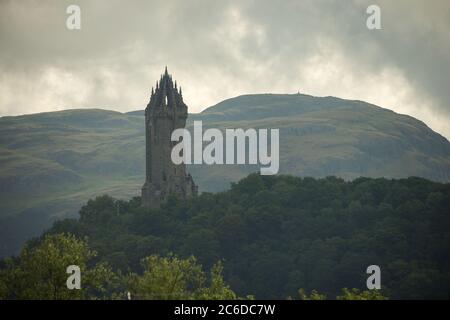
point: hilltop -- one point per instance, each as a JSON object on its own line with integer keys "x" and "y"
{"x": 52, "y": 162}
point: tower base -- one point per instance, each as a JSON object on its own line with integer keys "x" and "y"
{"x": 153, "y": 197}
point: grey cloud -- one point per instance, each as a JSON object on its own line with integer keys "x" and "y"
{"x": 217, "y": 49}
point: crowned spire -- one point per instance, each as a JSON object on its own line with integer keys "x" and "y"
{"x": 165, "y": 112}
{"x": 166, "y": 90}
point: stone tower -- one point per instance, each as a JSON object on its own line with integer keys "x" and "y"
{"x": 165, "y": 112}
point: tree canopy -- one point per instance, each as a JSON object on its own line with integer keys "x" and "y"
{"x": 276, "y": 234}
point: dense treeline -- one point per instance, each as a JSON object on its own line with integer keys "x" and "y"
{"x": 278, "y": 234}
{"x": 40, "y": 272}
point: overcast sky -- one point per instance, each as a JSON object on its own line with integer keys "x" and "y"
{"x": 221, "y": 49}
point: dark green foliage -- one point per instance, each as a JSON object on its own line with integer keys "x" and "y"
{"x": 278, "y": 234}
{"x": 173, "y": 279}
{"x": 346, "y": 294}
{"x": 39, "y": 272}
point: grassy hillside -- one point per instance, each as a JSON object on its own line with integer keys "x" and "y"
{"x": 330, "y": 136}
{"x": 52, "y": 162}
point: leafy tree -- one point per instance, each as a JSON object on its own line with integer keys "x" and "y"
{"x": 346, "y": 294}
{"x": 355, "y": 294}
{"x": 39, "y": 272}
{"x": 171, "y": 278}
{"x": 313, "y": 296}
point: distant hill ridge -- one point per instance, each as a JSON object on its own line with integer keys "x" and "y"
{"x": 52, "y": 162}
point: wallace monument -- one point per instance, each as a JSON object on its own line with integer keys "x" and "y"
{"x": 165, "y": 112}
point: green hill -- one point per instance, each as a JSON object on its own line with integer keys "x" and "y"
{"x": 52, "y": 162}
{"x": 331, "y": 136}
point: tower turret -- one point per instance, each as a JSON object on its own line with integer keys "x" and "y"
{"x": 165, "y": 112}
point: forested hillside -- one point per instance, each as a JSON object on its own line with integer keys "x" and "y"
{"x": 278, "y": 234}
